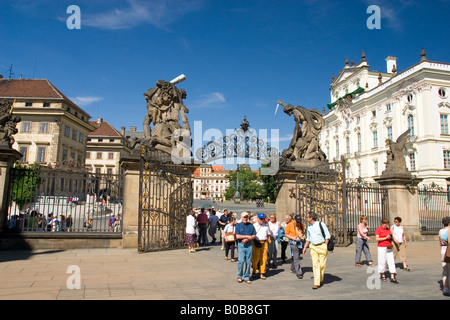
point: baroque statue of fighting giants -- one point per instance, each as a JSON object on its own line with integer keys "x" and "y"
{"x": 165, "y": 108}
{"x": 304, "y": 144}
{"x": 8, "y": 124}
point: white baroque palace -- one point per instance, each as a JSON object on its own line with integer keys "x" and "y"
{"x": 369, "y": 107}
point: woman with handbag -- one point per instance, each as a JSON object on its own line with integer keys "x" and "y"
{"x": 191, "y": 231}
{"x": 385, "y": 251}
{"x": 443, "y": 242}
{"x": 230, "y": 238}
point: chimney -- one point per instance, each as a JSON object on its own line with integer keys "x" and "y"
{"x": 132, "y": 129}
{"x": 391, "y": 64}
{"x": 122, "y": 131}
{"x": 99, "y": 120}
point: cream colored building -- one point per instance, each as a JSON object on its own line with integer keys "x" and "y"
{"x": 384, "y": 105}
{"x": 52, "y": 127}
{"x": 105, "y": 147}
{"x": 210, "y": 182}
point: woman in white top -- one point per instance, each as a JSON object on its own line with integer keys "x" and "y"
{"x": 230, "y": 245}
{"x": 191, "y": 236}
{"x": 274, "y": 226}
{"x": 445, "y": 266}
{"x": 399, "y": 242}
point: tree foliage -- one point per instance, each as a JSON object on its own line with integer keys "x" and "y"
{"x": 254, "y": 186}
{"x": 25, "y": 182}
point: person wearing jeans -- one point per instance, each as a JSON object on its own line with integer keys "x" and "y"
{"x": 245, "y": 233}
{"x": 361, "y": 243}
{"x": 295, "y": 233}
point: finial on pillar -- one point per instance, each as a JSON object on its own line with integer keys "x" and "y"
{"x": 423, "y": 55}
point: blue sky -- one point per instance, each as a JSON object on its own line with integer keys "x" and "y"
{"x": 239, "y": 57}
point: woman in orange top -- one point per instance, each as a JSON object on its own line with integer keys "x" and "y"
{"x": 295, "y": 233}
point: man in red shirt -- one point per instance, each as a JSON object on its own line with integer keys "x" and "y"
{"x": 202, "y": 222}
{"x": 385, "y": 251}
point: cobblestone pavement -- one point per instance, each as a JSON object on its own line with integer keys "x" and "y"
{"x": 89, "y": 274}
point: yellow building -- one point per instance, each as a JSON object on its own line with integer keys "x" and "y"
{"x": 52, "y": 127}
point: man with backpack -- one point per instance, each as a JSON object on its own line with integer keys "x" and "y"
{"x": 317, "y": 241}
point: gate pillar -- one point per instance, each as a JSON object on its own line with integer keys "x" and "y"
{"x": 7, "y": 159}
{"x": 130, "y": 202}
{"x": 404, "y": 203}
{"x": 286, "y": 202}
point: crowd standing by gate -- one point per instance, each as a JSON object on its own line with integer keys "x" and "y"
{"x": 257, "y": 237}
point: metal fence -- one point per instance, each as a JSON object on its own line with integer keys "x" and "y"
{"x": 434, "y": 204}
{"x": 51, "y": 200}
{"x": 366, "y": 200}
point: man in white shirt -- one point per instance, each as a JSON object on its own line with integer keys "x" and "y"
{"x": 318, "y": 247}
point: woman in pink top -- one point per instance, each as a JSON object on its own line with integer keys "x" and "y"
{"x": 361, "y": 243}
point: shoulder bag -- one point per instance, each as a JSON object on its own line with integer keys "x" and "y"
{"x": 330, "y": 246}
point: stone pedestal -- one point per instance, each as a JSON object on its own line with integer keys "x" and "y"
{"x": 403, "y": 202}
{"x": 286, "y": 183}
{"x": 131, "y": 167}
{"x": 8, "y": 157}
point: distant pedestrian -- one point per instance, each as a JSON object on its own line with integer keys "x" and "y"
{"x": 202, "y": 223}
{"x": 284, "y": 241}
{"x": 191, "y": 236}
{"x": 361, "y": 242}
{"x": 443, "y": 242}
{"x": 69, "y": 223}
{"x": 318, "y": 247}
{"x": 399, "y": 242}
{"x": 213, "y": 223}
{"x": 385, "y": 251}
{"x": 274, "y": 227}
{"x": 260, "y": 246}
{"x": 223, "y": 221}
{"x": 230, "y": 238}
{"x": 245, "y": 233}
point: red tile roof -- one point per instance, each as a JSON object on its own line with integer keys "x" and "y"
{"x": 30, "y": 88}
{"x": 103, "y": 129}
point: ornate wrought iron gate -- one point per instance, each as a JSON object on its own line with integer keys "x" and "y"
{"x": 338, "y": 202}
{"x": 322, "y": 192}
{"x": 165, "y": 199}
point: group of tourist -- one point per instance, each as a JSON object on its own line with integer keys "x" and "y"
{"x": 35, "y": 221}
{"x": 256, "y": 238}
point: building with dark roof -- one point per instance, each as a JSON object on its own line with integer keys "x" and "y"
{"x": 52, "y": 128}
{"x": 105, "y": 147}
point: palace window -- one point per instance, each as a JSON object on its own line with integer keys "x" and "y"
{"x": 446, "y": 159}
{"x": 444, "y": 124}
{"x": 411, "y": 125}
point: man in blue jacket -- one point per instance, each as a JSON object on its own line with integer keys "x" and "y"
{"x": 245, "y": 233}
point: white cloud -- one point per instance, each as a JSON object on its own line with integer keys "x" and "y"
{"x": 211, "y": 100}
{"x": 85, "y": 101}
{"x": 159, "y": 13}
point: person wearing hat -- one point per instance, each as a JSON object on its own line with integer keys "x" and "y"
{"x": 295, "y": 232}
{"x": 260, "y": 246}
{"x": 245, "y": 232}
